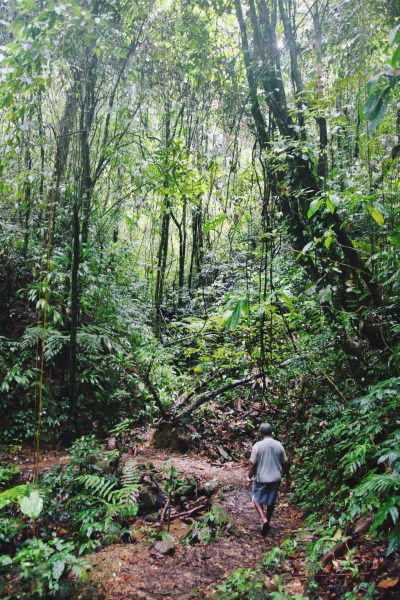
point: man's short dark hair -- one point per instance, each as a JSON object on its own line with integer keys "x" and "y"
{"x": 265, "y": 429}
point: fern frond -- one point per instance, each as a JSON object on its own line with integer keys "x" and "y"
{"x": 130, "y": 474}
{"x": 13, "y": 494}
{"x": 126, "y": 495}
{"x": 356, "y": 458}
{"x": 123, "y": 505}
{"x": 120, "y": 502}
{"x": 376, "y": 484}
{"x": 98, "y": 486}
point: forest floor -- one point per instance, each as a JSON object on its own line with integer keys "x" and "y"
{"x": 139, "y": 571}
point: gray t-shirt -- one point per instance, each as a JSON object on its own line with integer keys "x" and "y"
{"x": 268, "y": 456}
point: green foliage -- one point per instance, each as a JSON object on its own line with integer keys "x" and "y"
{"x": 375, "y": 106}
{"x": 98, "y": 486}
{"x": 38, "y": 569}
{"x": 213, "y": 223}
{"x": 31, "y": 505}
{"x": 84, "y": 500}
{"x": 186, "y": 251}
{"x": 365, "y": 437}
{"x": 241, "y": 308}
{"x": 13, "y": 494}
{"x": 120, "y": 502}
{"x": 7, "y": 474}
{"x": 243, "y": 583}
{"x": 379, "y": 90}
{"x": 212, "y": 526}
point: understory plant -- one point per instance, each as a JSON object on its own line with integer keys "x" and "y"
{"x": 77, "y": 507}
{"x": 360, "y": 448}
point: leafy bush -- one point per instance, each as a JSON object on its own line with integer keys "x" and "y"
{"x": 7, "y": 474}
{"x": 360, "y": 448}
{"x": 243, "y": 584}
{"x": 38, "y": 569}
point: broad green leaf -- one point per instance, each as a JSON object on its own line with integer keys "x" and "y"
{"x": 376, "y": 104}
{"x": 58, "y": 569}
{"x": 314, "y": 207}
{"x": 395, "y": 57}
{"x": 286, "y": 299}
{"x": 213, "y": 223}
{"x": 32, "y": 505}
{"x": 234, "y": 319}
{"x": 376, "y": 215}
{"x": 394, "y": 35}
{"x": 330, "y": 206}
{"x": 329, "y": 239}
{"x": 306, "y": 248}
{"x": 242, "y": 306}
{"x": 245, "y": 306}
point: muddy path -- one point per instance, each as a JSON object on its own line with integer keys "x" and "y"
{"x": 137, "y": 570}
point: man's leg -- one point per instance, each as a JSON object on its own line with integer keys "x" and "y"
{"x": 260, "y": 510}
{"x": 270, "y": 510}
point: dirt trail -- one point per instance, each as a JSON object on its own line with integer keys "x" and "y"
{"x": 137, "y": 571}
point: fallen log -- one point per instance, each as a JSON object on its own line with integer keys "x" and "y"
{"x": 207, "y": 396}
{"x": 361, "y": 527}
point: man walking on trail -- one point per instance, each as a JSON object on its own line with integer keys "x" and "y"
{"x": 268, "y": 462}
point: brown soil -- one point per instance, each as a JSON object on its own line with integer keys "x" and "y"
{"x": 137, "y": 571}
{"x": 24, "y": 460}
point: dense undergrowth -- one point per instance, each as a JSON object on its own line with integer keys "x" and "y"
{"x": 91, "y": 500}
{"x": 197, "y": 239}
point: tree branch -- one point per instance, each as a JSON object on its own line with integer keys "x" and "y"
{"x": 206, "y": 396}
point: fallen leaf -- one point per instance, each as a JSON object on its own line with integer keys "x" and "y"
{"x": 328, "y": 568}
{"x": 295, "y": 587}
{"x": 270, "y": 584}
{"x": 385, "y": 584}
{"x": 376, "y": 563}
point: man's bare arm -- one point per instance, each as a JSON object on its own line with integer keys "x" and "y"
{"x": 250, "y": 473}
{"x": 252, "y": 470}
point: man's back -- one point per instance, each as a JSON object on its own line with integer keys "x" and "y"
{"x": 269, "y": 457}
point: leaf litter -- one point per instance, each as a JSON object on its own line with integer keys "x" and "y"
{"x": 140, "y": 570}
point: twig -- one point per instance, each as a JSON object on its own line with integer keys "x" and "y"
{"x": 188, "y": 512}
{"x": 164, "y": 510}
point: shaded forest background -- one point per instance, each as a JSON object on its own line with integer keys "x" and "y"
{"x": 200, "y": 218}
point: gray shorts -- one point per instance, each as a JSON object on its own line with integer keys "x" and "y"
{"x": 265, "y": 493}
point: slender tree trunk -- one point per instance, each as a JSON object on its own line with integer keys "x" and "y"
{"x": 63, "y": 143}
{"x": 322, "y": 166}
{"x": 27, "y": 197}
{"x": 196, "y": 261}
{"x": 86, "y": 121}
{"x": 164, "y": 238}
{"x": 295, "y": 73}
{"x": 256, "y": 111}
{"x": 181, "y": 227}
{"x": 73, "y": 348}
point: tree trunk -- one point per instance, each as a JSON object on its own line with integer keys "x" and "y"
{"x": 164, "y": 238}
{"x": 73, "y": 348}
{"x": 27, "y": 197}
{"x": 322, "y": 166}
{"x": 304, "y": 183}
